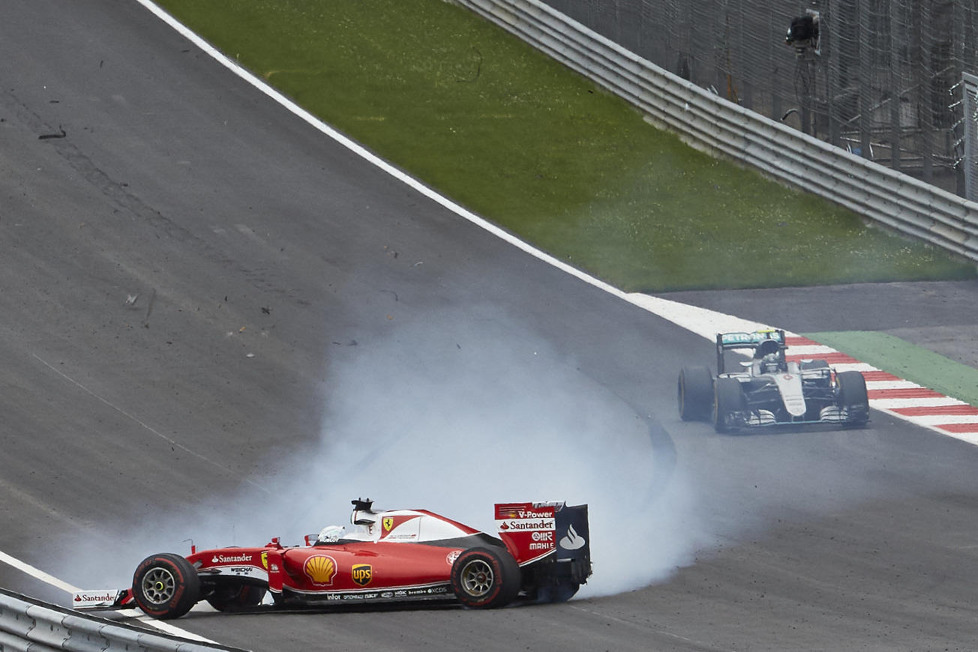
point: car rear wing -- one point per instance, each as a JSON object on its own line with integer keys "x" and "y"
{"x": 534, "y": 531}
{"x": 772, "y": 338}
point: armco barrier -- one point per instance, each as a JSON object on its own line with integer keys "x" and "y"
{"x": 709, "y": 122}
{"x": 28, "y": 625}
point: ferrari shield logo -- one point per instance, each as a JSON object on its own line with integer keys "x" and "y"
{"x": 362, "y": 574}
{"x": 388, "y": 523}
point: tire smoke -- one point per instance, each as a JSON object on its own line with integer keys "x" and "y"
{"x": 454, "y": 413}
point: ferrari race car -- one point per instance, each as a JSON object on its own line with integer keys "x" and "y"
{"x": 542, "y": 554}
{"x": 769, "y": 390}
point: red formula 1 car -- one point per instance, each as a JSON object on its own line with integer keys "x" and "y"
{"x": 542, "y": 554}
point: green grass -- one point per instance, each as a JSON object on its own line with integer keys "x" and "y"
{"x": 906, "y": 360}
{"x": 539, "y": 150}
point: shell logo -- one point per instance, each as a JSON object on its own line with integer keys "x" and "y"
{"x": 321, "y": 569}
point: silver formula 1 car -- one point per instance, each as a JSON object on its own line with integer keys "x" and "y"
{"x": 767, "y": 389}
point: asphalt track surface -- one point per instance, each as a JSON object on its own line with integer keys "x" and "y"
{"x": 188, "y": 270}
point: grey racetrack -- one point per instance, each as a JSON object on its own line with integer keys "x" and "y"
{"x": 217, "y": 324}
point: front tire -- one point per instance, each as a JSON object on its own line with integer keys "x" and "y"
{"x": 165, "y": 586}
{"x": 853, "y": 397}
{"x": 695, "y": 393}
{"x": 484, "y": 578}
{"x": 728, "y": 400}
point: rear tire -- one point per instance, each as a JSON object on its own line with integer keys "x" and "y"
{"x": 853, "y": 397}
{"x": 729, "y": 399}
{"x": 485, "y": 578}
{"x": 165, "y": 586}
{"x": 695, "y": 393}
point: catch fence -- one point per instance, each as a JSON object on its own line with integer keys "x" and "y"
{"x": 880, "y": 78}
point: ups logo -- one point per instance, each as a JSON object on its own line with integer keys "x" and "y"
{"x": 362, "y": 574}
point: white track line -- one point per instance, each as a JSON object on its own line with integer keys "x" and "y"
{"x": 813, "y": 350}
{"x": 37, "y": 573}
{"x": 892, "y": 384}
{"x": 860, "y": 366}
{"x": 889, "y": 404}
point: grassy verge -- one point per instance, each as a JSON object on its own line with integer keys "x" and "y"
{"x": 542, "y": 152}
{"x": 907, "y": 361}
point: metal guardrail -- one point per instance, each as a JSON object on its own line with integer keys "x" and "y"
{"x": 28, "y": 625}
{"x": 706, "y": 121}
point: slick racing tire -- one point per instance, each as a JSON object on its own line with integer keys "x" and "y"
{"x": 234, "y": 596}
{"x": 695, "y": 393}
{"x": 165, "y": 586}
{"x": 729, "y": 398}
{"x": 853, "y": 397}
{"x": 485, "y": 578}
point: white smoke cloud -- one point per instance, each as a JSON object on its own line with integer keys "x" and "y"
{"x": 459, "y": 411}
{"x": 453, "y": 413}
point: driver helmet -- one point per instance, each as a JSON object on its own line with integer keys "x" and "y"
{"x": 770, "y": 363}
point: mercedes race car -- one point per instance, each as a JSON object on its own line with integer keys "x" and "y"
{"x": 542, "y": 554}
{"x": 767, "y": 389}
